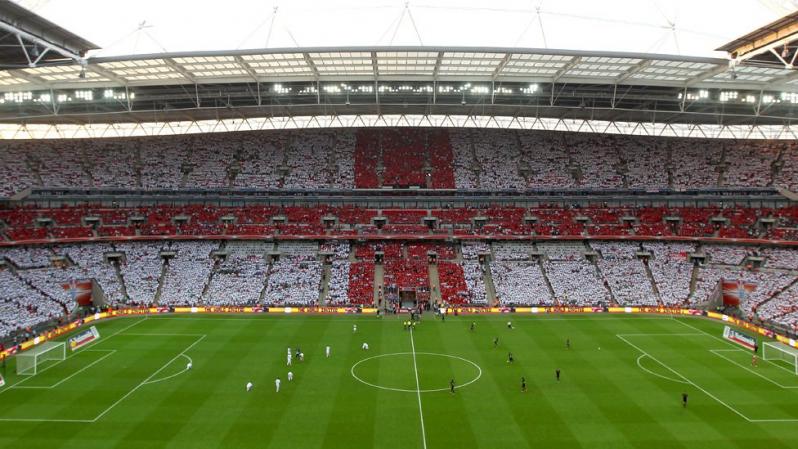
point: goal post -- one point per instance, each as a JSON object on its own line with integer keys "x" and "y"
{"x": 779, "y": 351}
{"x": 28, "y": 362}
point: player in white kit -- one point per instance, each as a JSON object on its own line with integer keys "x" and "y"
{"x": 365, "y": 346}
{"x": 327, "y": 351}
{"x": 354, "y": 328}
{"x": 189, "y": 366}
{"x": 249, "y": 386}
{"x": 277, "y": 384}
{"x": 290, "y": 376}
{"x": 288, "y": 360}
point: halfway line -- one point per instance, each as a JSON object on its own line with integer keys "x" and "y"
{"x": 418, "y": 390}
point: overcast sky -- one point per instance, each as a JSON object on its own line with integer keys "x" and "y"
{"x": 686, "y": 27}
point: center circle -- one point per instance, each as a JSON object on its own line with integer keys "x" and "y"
{"x": 398, "y": 371}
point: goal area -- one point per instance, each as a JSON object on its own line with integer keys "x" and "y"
{"x": 779, "y": 351}
{"x": 28, "y": 362}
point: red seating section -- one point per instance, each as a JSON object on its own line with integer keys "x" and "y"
{"x": 361, "y": 283}
{"x": 408, "y": 158}
{"x": 205, "y": 220}
{"x": 452, "y": 281}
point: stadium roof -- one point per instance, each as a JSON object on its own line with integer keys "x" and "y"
{"x": 399, "y": 63}
{"x": 203, "y": 85}
{"x": 586, "y": 83}
{"x": 28, "y": 40}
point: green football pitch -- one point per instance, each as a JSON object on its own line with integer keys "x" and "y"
{"x": 621, "y": 385}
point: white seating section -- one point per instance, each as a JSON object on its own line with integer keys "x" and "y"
{"x": 338, "y": 282}
{"x": 314, "y": 158}
{"x": 563, "y": 251}
{"x": 31, "y": 289}
{"x": 463, "y": 163}
{"x": 512, "y": 251}
{"x": 306, "y": 249}
{"x": 472, "y": 250}
{"x": 727, "y": 255}
{"x": 340, "y": 250}
{"x": 671, "y": 270}
{"x": 767, "y": 283}
{"x": 576, "y": 282}
{"x": 91, "y": 261}
{"x": 237, "y": 281}
{"x": 28, "y": 257}
{"x": 625, "y": 273}
{"x": 547, "y": 158}
{"x": 141, "y": 270}
{"x": 474, "y": 275}
{"x": 50, "y": 281}
{"x": 520, "y": 283}
{"x": 780, "y": 258}
{"x": 259, "y": 160}
{"x": 16, "y": 172}
{"x": 188, "y": 273}
{"x": 294, "y": 280}
{"x": 22, "y": 306}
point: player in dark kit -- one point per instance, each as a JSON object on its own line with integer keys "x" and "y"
{"x": 495, "y": 342}
{"x": 473, "y": 326}
{"x": 451, "y": 386}
{"x": 567, "y": 343}
{"x": 557, "y": 373}
{"x": 510, "y": 358}
{"x": 684, "y": 399}
{"x": 523, "y": 384}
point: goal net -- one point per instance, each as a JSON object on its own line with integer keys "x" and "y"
{"x": 28, "y": 362}
{"x": 779, "y": 351}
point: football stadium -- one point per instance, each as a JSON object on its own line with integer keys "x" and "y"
{"x": 441, "y": 224}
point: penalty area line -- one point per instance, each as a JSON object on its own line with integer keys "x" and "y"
{"x": 110, "y": 352}
{"x": 148, "y": 379}
{"x": 688, "y": 381}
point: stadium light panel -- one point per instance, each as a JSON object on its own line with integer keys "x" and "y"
{"x": 18, "y": 97}
{"x": 533, "y": 88}
{"x": 85, "y": 95}
{"x": 728, "y": 95}
{"x": 279, "y": 89}
{"x": 791, "y": 97}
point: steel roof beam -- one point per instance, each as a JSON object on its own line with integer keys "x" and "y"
{"x": 107, "y": 73}
{"x": 181, "y": 70}
{"x": 707, "y": 74}
{"x": 637, "y": 68}
{"x": 21, "y": 34}
{"x": 246, "y": 67}
{"x": 375, "y": 68}
{"x": 312, "y": 65}
{"x": 436, "y": 70}
{"x": 564, "y": 70}
{"x": 783, "y": 80}
{"x": 33, "y": 79}
{"x": 501, "y": 66}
